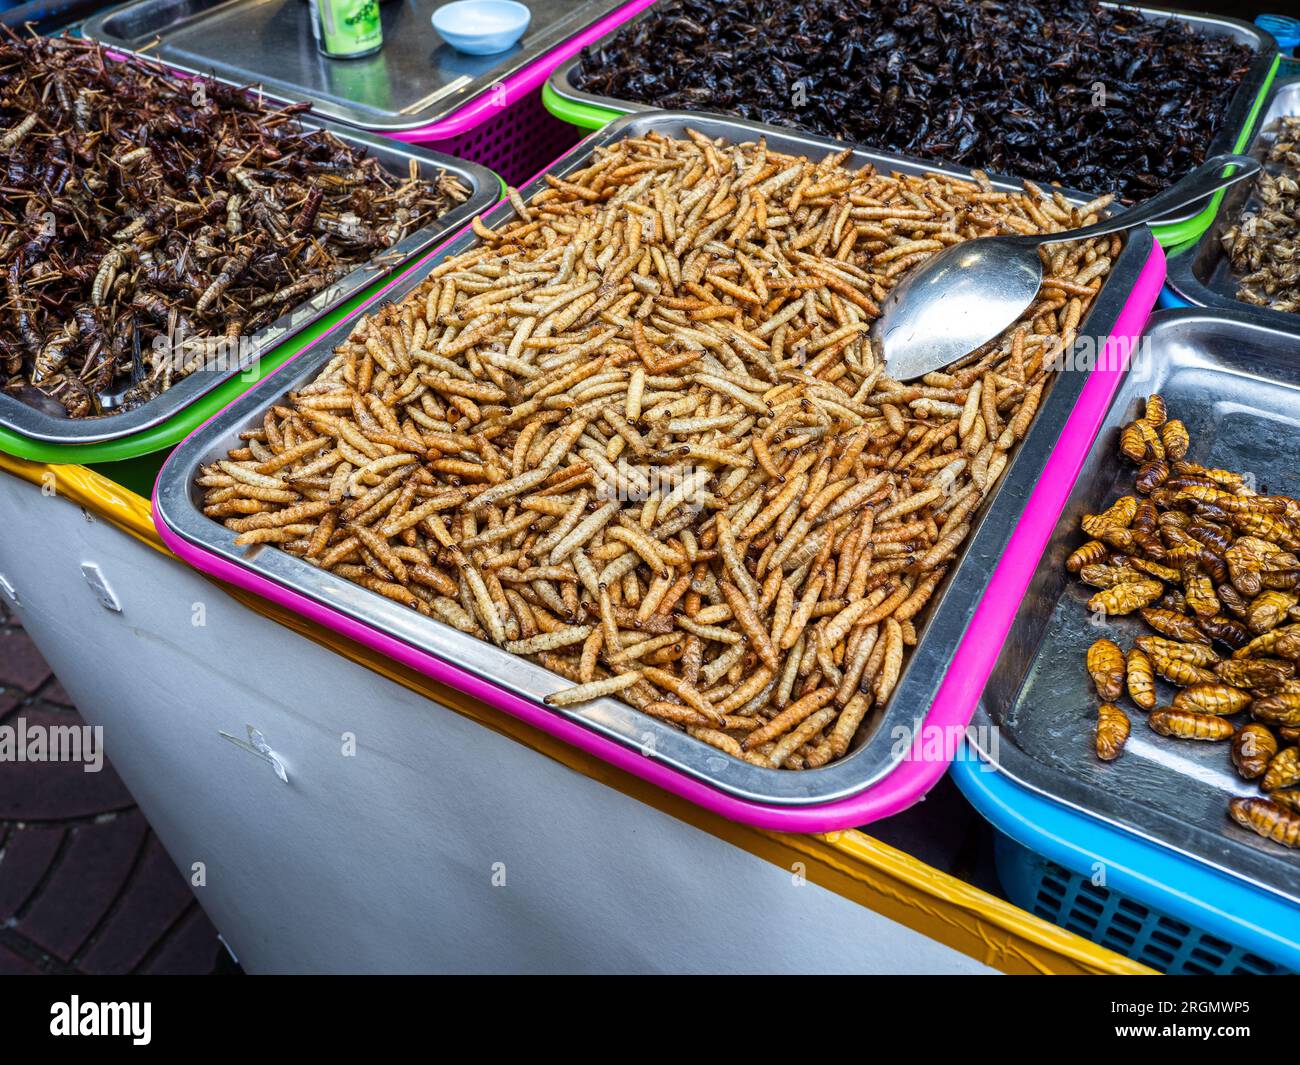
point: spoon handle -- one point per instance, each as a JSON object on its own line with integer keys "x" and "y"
{"x": 1201, "y": 182}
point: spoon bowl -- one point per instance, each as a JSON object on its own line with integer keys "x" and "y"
{"x": 964, "y": 296}
{"x": 972, "y": 290}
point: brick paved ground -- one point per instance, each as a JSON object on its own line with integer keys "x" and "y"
{"x": 85, "y": 886}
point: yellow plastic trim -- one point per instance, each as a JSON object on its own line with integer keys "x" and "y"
{"x": 852, "y": 864}
{"x": 109, "y": 500}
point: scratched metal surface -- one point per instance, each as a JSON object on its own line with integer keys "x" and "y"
{"x": 1236, "y": 384}
{"x": 415, "y": 79}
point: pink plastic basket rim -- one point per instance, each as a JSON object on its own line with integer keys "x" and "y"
{"x": 520, "y": 84}
{"x": 955, "y": 700}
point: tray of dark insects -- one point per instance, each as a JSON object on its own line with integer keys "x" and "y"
{"x": 415, "y": 79}
{"x": 170, "y": 297}
{"x": 936, "y": 116}
{"x": 949, "y": 577}
{"x": 1248, "y": 258}
{"x": 1233, "y": 383}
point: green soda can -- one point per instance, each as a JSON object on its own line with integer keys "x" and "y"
{"x": 347, "y": 29}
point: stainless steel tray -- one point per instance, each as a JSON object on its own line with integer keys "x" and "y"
{"x": 414, "y": 80}
{"x": 1202, "y": 274}
{"x": 1234, "y": 119}
{"x": 49, "y": 423}
{"x": 945, "y": 621}
{"x": 1236, "y": 384}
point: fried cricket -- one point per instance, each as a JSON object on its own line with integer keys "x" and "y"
{"x": 149, "y": 221}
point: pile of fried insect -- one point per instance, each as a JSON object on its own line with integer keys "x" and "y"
{"x": 637, "y": 434}
{"x": 1210, "y": 565}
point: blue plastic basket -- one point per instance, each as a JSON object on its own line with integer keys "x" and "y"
{"x": 1112, "y": 920}
{"x": 1169, "y": 298}
{"x": 1156, "y": 906}
{"x": 1286, "y": 30}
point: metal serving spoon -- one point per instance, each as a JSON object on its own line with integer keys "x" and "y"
{"x": 965, "y": 295}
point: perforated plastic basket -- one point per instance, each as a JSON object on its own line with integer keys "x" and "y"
{"x": 516, "y": 142}
{"x": 507, "y": 129}
{"x": 1125, "y": 892}
{"x": 1115, "y": 921}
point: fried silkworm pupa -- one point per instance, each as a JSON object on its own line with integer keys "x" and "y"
{"x": 1090, "y": 554}
{"x": 1233, "y": 599}
{"x": 1283, "y": 771}
{"x": 1173, "y": 624}
{"x": 1152, "y": 569}
{"x": 1100, "y": 575}
{"x": 1155, "y": 447}
{"x": 1132, "y": 444}
{"x": 1105, "y": 663}
{"x": 1265, "y": 673}
{"x": 1151, "y": 476}
{"x": 1126, "y": 598}
{"x": 1198, "y": 591}
{"x": 1268, "y": 819}
{"x": 1141, "y": 678}
{"x": 1176, "y": 671}
{"x": 1198, "y": 654}
{"x": 1219, "y": 699}
{"x": 1189, "y": 725}
{"x": 1145, "y": 519}
{"x": 1214, "y": 536}
{"x": 1268, "y": 610}
{"x": 1112, "y": 731}
{"x": 1285, "y": 642}
{"x": 1253, "y": 748}
{"x": 1281, "y": 708}
{"x": 1174, "y": 436}
{"x": 1173, "y": 600}
{"x": 1157, "y": 413}
{"x": 1119, "y": 515}
{"x": 1226, "y": 630}
{"x": 1288, "y": 797}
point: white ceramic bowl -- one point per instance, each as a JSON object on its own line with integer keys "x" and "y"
{"x": 481, "y": 27}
